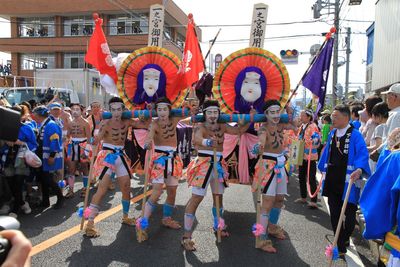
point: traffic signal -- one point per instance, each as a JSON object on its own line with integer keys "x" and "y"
{"x": 339, "y": 91}
{"x": 289, "y": 56}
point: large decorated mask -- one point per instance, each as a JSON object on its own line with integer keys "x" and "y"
{"x": 151, "y": 79}
{"x": 151, "y": 84}
{"x": 250, "y": 87}
{"x": 116, "y": 110}
{"x": 148, "y": 74}
{"x": 249, "y": 77}
{"x": 273, "y": 114}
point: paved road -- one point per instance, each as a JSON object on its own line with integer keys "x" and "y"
{"x": 57, "y": 241}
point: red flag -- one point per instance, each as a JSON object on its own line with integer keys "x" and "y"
{"x": 98, "y": 53}
{"x": 192, "y": 59}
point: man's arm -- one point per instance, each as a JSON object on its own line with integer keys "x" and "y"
{"x": 88, "y": 131}
{"x": 102, "y": 131}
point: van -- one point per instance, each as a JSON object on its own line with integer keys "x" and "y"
{"x": 16, "y": 95}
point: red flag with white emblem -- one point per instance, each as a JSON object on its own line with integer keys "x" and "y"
{"x": 192, "y": 59}
{"x": 98, "y": 53}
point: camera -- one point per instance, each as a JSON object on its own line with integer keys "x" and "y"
{"x": 6, "y": 223}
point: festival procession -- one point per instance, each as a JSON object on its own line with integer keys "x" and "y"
{"x": 177, "y": 156}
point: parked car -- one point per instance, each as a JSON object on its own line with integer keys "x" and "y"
{"x": 16, "y": 95}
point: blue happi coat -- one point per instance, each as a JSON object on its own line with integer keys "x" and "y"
{"x": 357, "y": 158}
{"x": 380, "y": 199}
{"x": 51, "y": 143}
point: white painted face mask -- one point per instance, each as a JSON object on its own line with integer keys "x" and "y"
{"x": 212, "y": 114}
{"x": 251, "y": 88}
{"x": 76, "y": 112}
{"x": 163, "y": 111}
{"x": 273, "y": 114}
{"x": 116, "y": 110}
{"x": 151, "y": 78}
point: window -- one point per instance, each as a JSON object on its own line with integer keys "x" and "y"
{"x": 180, "y": 40}
{"x": 122, "y": 24}
{"x": 74, "y": 60}
{"x": 37, "y": 61}
{"x": 78, "y": 26}
{"x": 37, "y": 27}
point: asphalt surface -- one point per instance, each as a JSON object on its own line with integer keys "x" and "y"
{"x": 117, "y": 245}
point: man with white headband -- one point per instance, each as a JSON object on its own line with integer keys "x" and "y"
{"x": 208, "y": 136}
{"x": 112, "y": 163}
{"x": 78, "y": 130}
{"x": 271, "y": 174}
{"x": 166, "y": 165}
{"x": 94, "y": 121}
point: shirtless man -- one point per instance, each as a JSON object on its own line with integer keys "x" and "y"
{"x": 166, "y": 165}
{"x": 95, "y": 119}
{"x": 112, "y": 162}
{"x": 78, "y": 130}
{"x": 207, "y": 137}
{"x": 272, "y": 173}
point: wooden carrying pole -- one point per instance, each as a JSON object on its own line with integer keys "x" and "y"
{"x": 258, "y": 201}
{"x": 217, "y": 204}
{"x": 146, "y": 183}
{"x": 341, "y": 218}
{"x": 88, "y": 184}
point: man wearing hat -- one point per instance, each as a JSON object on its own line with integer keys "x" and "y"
{"x": 393, "y": 101}
{"x": 50, "y": 151}
{"x": 393, "y": 122}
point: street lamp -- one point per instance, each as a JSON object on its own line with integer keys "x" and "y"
{"x": 355, "y": 2}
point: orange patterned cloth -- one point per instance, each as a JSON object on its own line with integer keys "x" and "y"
{"x": 106, "y": 158}
{"x": 199, "y": 168}
{"x": 311, "y": 130}
{"x": 267, "y": 168}
{"x": 160, "y": 162}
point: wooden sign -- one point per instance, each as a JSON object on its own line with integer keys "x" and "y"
{"x": 156, "y": 25}
{"x": 258, "y": 24}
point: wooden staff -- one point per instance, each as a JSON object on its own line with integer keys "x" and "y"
{"x": 258, "y": 198}
{"x": 146, "y": 182}
{"x": 217, "y": 204}
{"x": 346, "y": 200}
{"x": 88, "y": 184}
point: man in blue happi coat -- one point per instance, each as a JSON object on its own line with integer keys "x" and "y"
{"x": 380, "y": 201}
{"x": 50, "y": 151}
{"x": 345, "y": 157}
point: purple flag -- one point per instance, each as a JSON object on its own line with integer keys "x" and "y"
{"x": 316, "y": 78}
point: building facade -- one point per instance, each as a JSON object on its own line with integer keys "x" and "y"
{"x": 386, "y": 46}
{"x": 55, "y": 34}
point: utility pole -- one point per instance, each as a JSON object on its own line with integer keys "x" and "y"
{"x": 348, "y": 51}
{"x": 335, "y": 52}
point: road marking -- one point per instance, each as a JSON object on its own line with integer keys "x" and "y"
{"x": 76, "y": 229}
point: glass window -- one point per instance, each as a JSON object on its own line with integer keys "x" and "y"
{"x": 78, "y": 26}
{"x": 180, "y": 40}
{"x": 74, "y": 60}
{"x": 37, "y": 61}
{"x": 123, "y": 24}
{"x": 36, "y": 27}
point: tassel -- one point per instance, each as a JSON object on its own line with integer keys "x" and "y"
{"x": 61, "y": 184}
{"x": 257, "y": 229}
{"x": 80, "y": 212}
{"x": 142, "y": 223}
